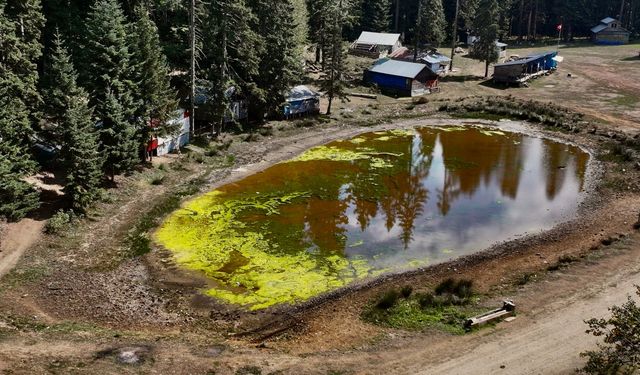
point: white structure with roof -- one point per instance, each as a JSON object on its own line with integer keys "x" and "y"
{"x": 376, "y": 45}
{"x": 610, "y": 32}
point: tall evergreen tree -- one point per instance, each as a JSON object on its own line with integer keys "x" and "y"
{"x": 301, "y": 31}
{"x": 155, "y": 95}
{"x": 118, "y": 137}
{"x": 279, "y": 62}
{"x": 487, "y": 29}
{"x": 376, "y": 15}
{"x": 107, "y": 67}
{"x": 109, "y": 74}
{"x": 332, "y": 78}
{"x": 231, "y": 51}
{"x": 430, "y": 27}
{"x": 78, "y": 138}
{"x": 18, "y": 79}
{"x": 28, "y": 21}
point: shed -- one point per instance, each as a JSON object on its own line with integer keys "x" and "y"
{"x": 180, "y": 138}
{"x": 521, "y": 70}
{"x": 402, "y": 78}
{"x": 500, "y": 47}
{"x": 301, "y": 101}
{"x": 375, "y": 45}
{"x": 610, "y": 32}
{"x": 436, "y": 61}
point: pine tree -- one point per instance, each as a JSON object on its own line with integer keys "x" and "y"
{"x": 487, "y": 29}
{"x": 82, "y": 159}
{"x": 155, "y": 95}
{"x": 152, "y": 70}
{"x": 28, "y": 21}
{"x": 431, "y": 23}
{"x": 108, "y": 74}
{"x": 376, "y": 15}
{"x": 17, "y": 84}
{"x": 231, "y": 51}
{"x": 106, "y": 62}
{"x": 332, "y": 78}
{"x": 118, "y": 137}
{"x": 301, "y": 31}
{"x": 279, "y": 62}
{"x": 76, "y": 130}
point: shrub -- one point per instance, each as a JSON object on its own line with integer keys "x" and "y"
{"x": 619, "y": 352}
{"x": 406, "y": 291}
{"x": 566, "y": 259}
{"x": 162, "y": 167}
{"x": 58, "y": 222}
{"x": 388, "y": 300}
{"x": 157, "y": 179}
{"x": 446, "y": 287}
{"x": 463, "y": 289}
{"x": 425, "y": 300}
{"x": 212, "y": 150}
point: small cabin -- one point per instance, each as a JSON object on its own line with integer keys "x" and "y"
{"x": 500, "y": 47}
{"x": 375, "y": 45}
{"x": 521, "y": 70}
{"x": 178, "y": 138}
{"x": 301, "y": 101}
{"x": 437, "y": 62}
{"x": 402, "y": 78}
{"x": 610, "y": 32}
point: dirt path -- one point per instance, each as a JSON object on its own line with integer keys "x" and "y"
{"x": 17, "y": 238}
{"x": 545, "y": 344}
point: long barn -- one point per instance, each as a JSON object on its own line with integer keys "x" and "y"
{"x": 522, "y": 70}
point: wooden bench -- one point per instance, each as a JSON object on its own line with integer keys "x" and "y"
{"x": 508, "y": 309}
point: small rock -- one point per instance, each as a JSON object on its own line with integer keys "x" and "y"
{"x": 510, "y": 319}
{"x": 503, "y": 366}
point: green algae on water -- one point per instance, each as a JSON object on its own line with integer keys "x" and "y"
{"x": 206, "y": 235}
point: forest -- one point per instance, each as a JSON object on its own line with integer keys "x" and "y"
{"x": 89, "y": 77}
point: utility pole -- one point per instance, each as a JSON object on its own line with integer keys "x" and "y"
{"x": 192, "y": 42}
{"x": 454, "y": 38}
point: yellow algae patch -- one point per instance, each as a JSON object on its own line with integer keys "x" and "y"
{"x": 206, "y": 235}
{"x": 358, "y": 140}
{"x": 491, "y": 133}
{"x": 335, "y": 153}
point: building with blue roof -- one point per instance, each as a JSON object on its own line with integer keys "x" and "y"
{"x": 522, "y": 70}
{"x": 610, "y": 32}
{"x": 401, "y": 78}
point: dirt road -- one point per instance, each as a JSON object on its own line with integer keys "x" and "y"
{"x": 18, "y": 237}
{"x": 546, "y": 344}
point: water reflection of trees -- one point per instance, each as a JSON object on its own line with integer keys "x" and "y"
{"x": 399, "y": 195}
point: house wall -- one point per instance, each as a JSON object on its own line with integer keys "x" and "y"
{"x": 390, "y": 84}
{"x": 508, "y": 73}
{"x": 172, "y": 142}
{"x": 611, "y": 36}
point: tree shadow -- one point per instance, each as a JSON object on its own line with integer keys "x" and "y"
{"x": 631, "y": 58}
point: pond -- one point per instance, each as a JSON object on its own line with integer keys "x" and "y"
{"x": 381, "y": 202}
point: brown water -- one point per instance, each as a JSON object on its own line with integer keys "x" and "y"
{"x": 381, "y": 202}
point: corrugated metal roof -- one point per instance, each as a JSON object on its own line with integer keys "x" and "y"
{"x": 398, "y": 68}
{"x": 436, "y": 58}
{"x": 381, "y": 39}
{"x": 500, "y": 44}
{"x": 608, "y": 20}
{"x": 301, "y": 93}
{"x": 598, "y": 28}
{"x": 527, "y": 59}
